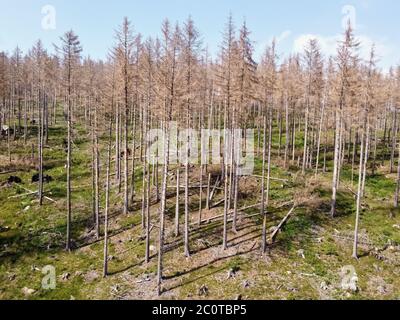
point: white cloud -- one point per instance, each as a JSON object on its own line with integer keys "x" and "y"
{"x": 283, "y": 36}
{"x": 382, "y": 49}
{"x": 329, "y": 44}
{"x": 261, "y": 46}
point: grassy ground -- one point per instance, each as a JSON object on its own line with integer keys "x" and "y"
{"x": 305, "y": 262}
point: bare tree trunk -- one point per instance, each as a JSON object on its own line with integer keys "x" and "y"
{"x": 375, "y": 152}
{"x": 187, "y": 222}
{"x": 126, "y": 167}
{"x": 294, "y": 138}
{"x": 91, "y": 123}
{"x": 148, "y": 218}
{"x": 117, "y": 145}
{"x": 235, "y": 155}
{"x": 177, "y": 231}
{"x": 25, "y": 119}
{"x": 201, "y": 193}
{"x": 396, "y": 195}
{"x": 226, "y": 184}
{"x": 162, "y": 212}
{"x": 287, "y": 131}
{"x": 105, "y": 251}
{"x": 69, "y": 155}
{"x": 366, "y": 157}
{"x": 303, "y": 169}
{"x": 353, "y": 161}
{"x": 268, "y": 177}
{"x": 263, "y": 211}
{"x": 336, "y": 164}
{"x": 394, "y": 141}
{"x": 208, "y": 192}
{"x": 40, "y": 143}
{"x": 147, "y": 195}
{"x": 359, "y": 199}
{"x": 319, "y": 135}
{"x": 97, "y": 174}
{"x": 133, "y": 153}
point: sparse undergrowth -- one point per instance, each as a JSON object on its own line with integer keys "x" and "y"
{"x": 304, "y": 263}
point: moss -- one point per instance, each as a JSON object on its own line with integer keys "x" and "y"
{"x": 36, "y": 237}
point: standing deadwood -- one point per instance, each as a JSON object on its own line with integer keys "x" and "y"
{"x": 117, "y": 146}
{"x": 268, "y": 76}
{"x": 25, "y": 118}
{"x": 314, "y": 68}
{"x": 39, "y": 56}
{"x": 364, "y": 152}
{"x": 201, "y": 177}
{"x": 190, "y": 48}
{"x": 268, "y": 181}
{"x": 247, "y": 80}
{"x": 375, "y": 149}
{"x": 358, "y": 205}
{"x": 137, "y": 105}
{"x": 97, "y": 174}
{"x": 394, "y": 138}
{"x": 262, "y": 212}
{"x": 225, "y": 76}
{"x": 70, "y": 50}
{"x": 345, "y": 58}
{"x": 177, "y": 231}
{"x": 201, "y": 194}
{"x": 187, "y": 218}
{"x": 94, "y": 203}
{"x": 46, "y": 120}
{"x": 40, "y": 143}
{"x": 396, "y": 195}
{"x": 162, "y": 214}
{"x": 123, "y": 53}
{"x": 226, "y": 184}
{"x": 236, "y": 140}
{"x": 287, "y": 142}
{"x": 321, "y": 122}
{"x": 171, "y": 44}
{"x": 208, "y": 192}
{"x": 366, "y": 158}
{"x": 303, "y": 168}
{"x": 227, "y": 65}
{"x": 148, "y": 76}
{"x": 133, "y": 153}
{"x": 105, "y": 251}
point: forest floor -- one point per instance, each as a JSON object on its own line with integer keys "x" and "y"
{"x": 309, "y": 259}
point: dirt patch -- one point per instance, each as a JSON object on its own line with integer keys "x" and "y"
{"x": 379, "y": 286}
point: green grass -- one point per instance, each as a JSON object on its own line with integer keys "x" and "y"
{"x": 36, "y": 237}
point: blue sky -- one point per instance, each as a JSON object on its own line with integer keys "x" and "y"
{"x": 292, "y": 22}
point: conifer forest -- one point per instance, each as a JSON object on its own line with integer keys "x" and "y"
{"x": 167, "y": 171}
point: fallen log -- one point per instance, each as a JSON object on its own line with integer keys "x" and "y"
{"x": 217, "y": 203}
{"x": 240, "y": 212}
{"x": 281, "y": 224}
{"x": 214, "y": 188}
{"x": 351, "y": 190}
{"x": 273, "y": 179}
{"x": 23, "y": 195}
{"x": 45, "y": 197}
{"x": 192, "y": 187}
{"x": 284, "y": 205}
{"x": 7, "y": 172}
